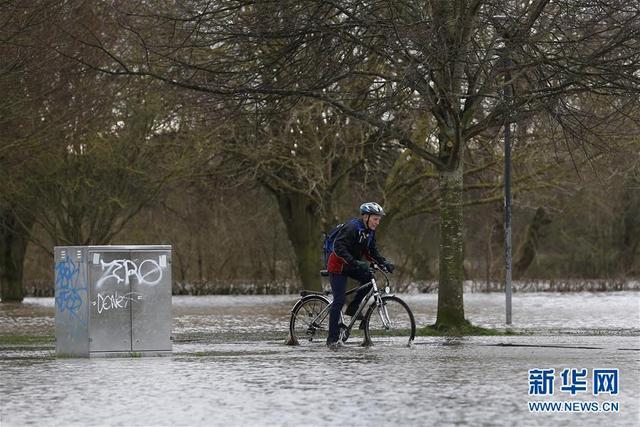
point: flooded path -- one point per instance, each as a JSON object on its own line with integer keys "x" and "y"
{"x": 230, "y": 367}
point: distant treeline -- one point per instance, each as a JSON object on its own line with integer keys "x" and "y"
{"x": 239, "y": 132}
{"x": 44, "y": 289}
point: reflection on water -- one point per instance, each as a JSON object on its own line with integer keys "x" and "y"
{"x": 230, "y": 368}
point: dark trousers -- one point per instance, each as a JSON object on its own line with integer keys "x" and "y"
{"x": 339, "y": 289}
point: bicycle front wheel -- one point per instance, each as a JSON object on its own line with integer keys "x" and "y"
{"x": 391, "y": 323}
{"x": 309, "y": 320}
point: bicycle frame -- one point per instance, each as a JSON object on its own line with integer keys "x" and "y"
{"x": 373, "y": 292}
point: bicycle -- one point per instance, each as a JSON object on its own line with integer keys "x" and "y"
{"x": 388, "y": 320}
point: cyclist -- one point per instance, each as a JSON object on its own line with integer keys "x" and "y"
{"x": 355, "y": 240}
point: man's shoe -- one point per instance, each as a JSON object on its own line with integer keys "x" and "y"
{"x": 335, "y": 345}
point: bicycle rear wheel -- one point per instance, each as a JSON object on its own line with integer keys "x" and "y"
{"x": 309, "y": 320}
{"x": 390, "y": 324}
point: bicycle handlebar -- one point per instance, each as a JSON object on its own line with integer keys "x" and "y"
{"x": 375, "y": 267}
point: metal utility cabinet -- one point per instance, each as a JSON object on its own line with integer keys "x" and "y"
{"x": 113, "y": 300}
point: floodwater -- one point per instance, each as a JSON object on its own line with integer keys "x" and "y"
{"x": 230, "y": 367}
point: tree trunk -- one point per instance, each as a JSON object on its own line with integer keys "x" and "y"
{"x": 527, "y": 251}
{"x": 450, "y": 300}
{"x": 630, "y": 222}
{"x": 303, "y": 223}
{"x": 13, "y": 238}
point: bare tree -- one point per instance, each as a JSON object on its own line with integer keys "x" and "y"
{"x": 81, "y": 152}
{"x": 444, "y": 60}
{"x": 25, "y": 87}
{"x": 304, "y": 155}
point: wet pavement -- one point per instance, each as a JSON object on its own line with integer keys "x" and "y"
{"x": 230, "y": 367}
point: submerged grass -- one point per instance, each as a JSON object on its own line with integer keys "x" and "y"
{"x": 466, "y": 329}
{"x": 26, "y": 340}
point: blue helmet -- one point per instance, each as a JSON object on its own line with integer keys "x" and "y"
{"x": 371, "y": 208}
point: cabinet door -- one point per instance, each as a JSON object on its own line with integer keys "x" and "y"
{"x": 72, "y": 295}
{"x": 110, "y": 301}
{"x": 151, "y": 313}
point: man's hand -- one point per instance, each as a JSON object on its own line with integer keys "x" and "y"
{"x": 388, "y": 265}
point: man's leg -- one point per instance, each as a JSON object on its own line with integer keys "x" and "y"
{"x": 362, "y": 277}
{"x": 338, "y": 288}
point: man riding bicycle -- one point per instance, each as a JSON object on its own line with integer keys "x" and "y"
{"x": 355, "y": 240}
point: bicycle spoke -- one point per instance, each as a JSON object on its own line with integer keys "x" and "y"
{"x": 306, "y": 324}
{"x": 391, "y": 324}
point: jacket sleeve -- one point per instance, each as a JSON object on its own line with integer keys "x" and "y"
{"x": 346, "y": 238}
{"x": 373, "y": 252}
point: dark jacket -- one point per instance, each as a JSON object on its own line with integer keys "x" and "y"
{"x": 353, "y": 242}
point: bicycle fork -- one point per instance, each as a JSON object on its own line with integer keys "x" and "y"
{"x": 382, "y": 307}
{"x": 384, "y": 315}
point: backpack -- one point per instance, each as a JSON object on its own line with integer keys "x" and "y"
{"x": 329, "y": 240}
{"x": 327, "y": 245}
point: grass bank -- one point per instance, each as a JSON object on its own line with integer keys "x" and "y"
{"x": 7, "y": 340}
{"x": 467, "y": 329}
